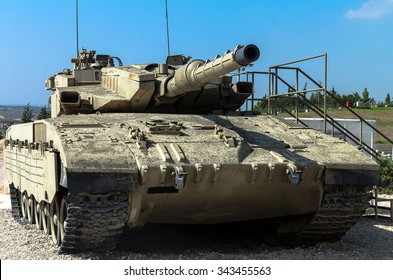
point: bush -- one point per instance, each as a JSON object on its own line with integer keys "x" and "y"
{"x": 363, "y": 107}
{"x": 386, "y": 171}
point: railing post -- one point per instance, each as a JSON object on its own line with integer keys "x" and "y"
{"x": 297, "y": 96}
{"x": 252, "y": 98}
{"x": 269, "y": 92}
{"x": 275, "y": 91}
{"x": 361, "y": 133}
{"x": 376, "y": 202}
{"x": 324, "y": 95}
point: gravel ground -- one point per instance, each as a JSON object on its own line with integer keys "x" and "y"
{"x": 368, "y": 239}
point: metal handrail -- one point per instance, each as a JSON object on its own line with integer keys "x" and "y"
{"x": 349, "y": 109}
{"x": 295, "y": 92}
{"x": 333, "y": 122}
{"x": 299, "y": 60}
{"x": 273, "y": 83}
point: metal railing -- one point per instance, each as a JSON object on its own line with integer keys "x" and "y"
{"x": 275, "y": 79}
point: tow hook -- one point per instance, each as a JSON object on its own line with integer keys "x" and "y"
{"x": 180, "y": 177}
{"x": 294, "y": 175}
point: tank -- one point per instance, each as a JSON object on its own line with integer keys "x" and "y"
{"x": 168, "y": 143}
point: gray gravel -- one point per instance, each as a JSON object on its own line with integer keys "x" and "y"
{"x": 368, "y": 239}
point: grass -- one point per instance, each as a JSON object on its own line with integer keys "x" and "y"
{"x": 387, "y": 123}
{"x": 382, "y": 115}
{"x": 383, "y": 142}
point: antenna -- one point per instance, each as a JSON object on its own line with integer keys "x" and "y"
{"x": 167, "y": 26}
{"x": 77, "y": 31}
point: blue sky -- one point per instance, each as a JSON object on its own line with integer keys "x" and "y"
{"x": 38, "y": 37}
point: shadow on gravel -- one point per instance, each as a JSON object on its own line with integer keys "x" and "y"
{"x": 177, "y": 239}
{"x": 368, "y": 239}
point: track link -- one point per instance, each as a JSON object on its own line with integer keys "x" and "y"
{"x": 16, "y": 208}
{"x": 94, "y": 221}
{"x": 341, "y": 207}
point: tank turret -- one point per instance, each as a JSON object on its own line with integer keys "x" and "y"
{"x": 95, "y": 84}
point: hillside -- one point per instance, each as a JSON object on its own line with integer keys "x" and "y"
{"x": 13, "y": 114}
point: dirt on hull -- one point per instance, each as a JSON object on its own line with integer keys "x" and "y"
{"x": 3, "y": 185}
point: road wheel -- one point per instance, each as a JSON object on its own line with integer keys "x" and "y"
{"x": 63, "y": 216}
{"x": 55, "y": 221}
{"x": 37, "y": 215}
{"x": 25, "y": 205}
{"x": 30, "y": 209}
{"x": 45, "y": 217}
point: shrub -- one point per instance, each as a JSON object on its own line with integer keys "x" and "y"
{"x": 386, "y": 171}
{"x": 363, "y": 107}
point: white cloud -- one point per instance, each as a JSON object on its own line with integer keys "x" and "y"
{"x": 372, "y": 9}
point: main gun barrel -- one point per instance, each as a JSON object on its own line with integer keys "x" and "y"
{"x": 198, "y": 73}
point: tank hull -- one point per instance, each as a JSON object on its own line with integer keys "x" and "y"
{"x": 195, "y": 169}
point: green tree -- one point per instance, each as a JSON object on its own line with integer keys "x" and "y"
{"x": 313, "y": 98}
{"x": 4, "y": 129}
{"x": 43, "y": 114}
{"x": 387, "y": 99}
{"x": 332, "y": 102}
{"x": 2, "y": 132}
{"x": 27, "y": 115}
{"x": 365, "y": 95}
{"x": 356, "y": 96}
{"x": 340, "y": 102}
{"x": 260, "y": 107}
{"x": 319, "y": 99}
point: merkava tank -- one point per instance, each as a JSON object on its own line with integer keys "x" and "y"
{"x": 167, "y": 143}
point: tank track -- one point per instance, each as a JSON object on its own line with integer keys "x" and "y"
{"x": 16, "y": 208}
{"x": 341, "y": 207}
{"x": 94, "y": 221}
